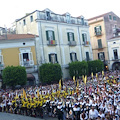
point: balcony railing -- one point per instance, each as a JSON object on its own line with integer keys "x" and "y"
{"x": 1, "y": 66}
{"x": 72, "y": 43}
{"x": 86, "y": 43}
{"x": 51, "y": 43}
{"x": 27, "y": 63}
{"x": 116, "y": 58}
{"x": 98, "y": 33}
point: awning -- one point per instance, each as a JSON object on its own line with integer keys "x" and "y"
{"x": 30, "y": 76}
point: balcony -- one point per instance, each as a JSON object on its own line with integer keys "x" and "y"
{"x": 1, "y": 66}
{"x": 116, "y": 58}
{"x": 86, "y": 43}
{"x": 52, "y": 43}
{"x": 98, "y": 33}
{"x": 72, "y": 43}
{"x": 27, "y": 63}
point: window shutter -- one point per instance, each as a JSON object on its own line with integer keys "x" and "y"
{"x": 103, "y": 55}
{"x": 99, "y": 43}
{"x": 83, "y": 37}
{"x": 49, "y": 57}
{"x": 47, "y": 36}
{"x": 87, "y": 56}
{"x": 73, "y": 36}
{"x": 21, "y": 59}
{"x": 71, "y": 57}
{"x": 31, "y": 58}
{"x": 68, "y": 36}
{"x": 53, "y": 35}
{"x": 95, "y": 29}
{"x": 56, "y": 58}
{"x": 98, "y": 55}
{"x": 75, "y": 56}
{"x": 100, "y": 28}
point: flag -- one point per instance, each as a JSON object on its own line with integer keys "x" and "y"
{"x": 74, "y": 79}
{"x": 59, "y": 84}
{"x": 102, "y": 73}
{"x": 24, "y": 94}
{"x": 96, "y": 75}
{"x": 77, "y": 83}
{"x": 38, "y": 93}
{"x": 85, "y": 79}
{"x": 92, "y": 75}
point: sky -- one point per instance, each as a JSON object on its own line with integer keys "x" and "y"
{"x": 10, "y": 10}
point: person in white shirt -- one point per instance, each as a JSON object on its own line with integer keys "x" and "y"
{"x": 93, "y": 113}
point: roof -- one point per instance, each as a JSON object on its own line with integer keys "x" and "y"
{"x": 99, "y": 16}
{"x": 17, "y": 36}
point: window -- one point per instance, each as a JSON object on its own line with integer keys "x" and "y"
{"x": 26, "y": 57}
{"x": 115, "y": 53}
{"x": 82, "y": 21}
{"x": 24, "y": 22}
{"x": 84, "y": 38}
{"x": 53, "y": 58}
{"x": 98, "y": 30}
{"x": 31, "y": 18}
{"x": 48, "y": 15}
{"x": 99, "y": 43}
{"x": 101, "y": 56}
{"x": 87, "y": 56}
{"x": 68, "y": 18}
{"x": 73, "y": 56}
{"x": 110, "y": 17}
{"x": 114, "y": 18}
{"x": 50, "y": 35}
{"x": 70, "y": 36}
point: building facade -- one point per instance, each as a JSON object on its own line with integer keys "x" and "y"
{"x": 114, "y": 50}
{"x": 102, "y": 29}
{"x": 62, "y": 38}
{"x": 19, "y": 50}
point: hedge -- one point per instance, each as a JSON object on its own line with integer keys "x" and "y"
{"x": 14, "y": 75}
{"x": 49, "y": 73}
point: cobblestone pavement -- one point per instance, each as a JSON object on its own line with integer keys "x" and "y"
{"x": 8, "y": 116}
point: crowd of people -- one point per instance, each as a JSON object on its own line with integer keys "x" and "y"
{"x": 96, "y": 99}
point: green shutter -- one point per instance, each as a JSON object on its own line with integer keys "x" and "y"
{"x": 47, "y": 35}
{"x": 98, "y": 55}
{"x": 83, "y": 37}
{"x": 49, "y": 57}
{"x": 73, "y": 36}
{"x": 100, "y": 28}
{"x": 71, "y": 57}
{"x": 95, "y": 29}
{"x": 53, "y": 35}
{"x": 56, "y": 58}
{"x": 99, "y": 43}
{"x": 68, "y": 36}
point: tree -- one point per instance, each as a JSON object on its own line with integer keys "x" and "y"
{"x": 95, "y": 66}
{"x": 13, "y": 76}
{"x": 49, "y": 73}
{"x": 78, "y": 68}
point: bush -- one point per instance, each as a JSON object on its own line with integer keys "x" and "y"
{"x": 78, "y": 68}
{"x": 95, "y": 66}
{"x": 49, "y": 73}
{"x": 13, "y": 76}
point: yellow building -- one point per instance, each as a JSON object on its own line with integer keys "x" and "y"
{"x": 19, "y": 49}
{"x": 101, "y": 30}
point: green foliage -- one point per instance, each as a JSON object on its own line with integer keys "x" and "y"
{"x": 78, "y": 68}
{"x": 95, "y": 66}
{"x": 50, "y": 73}
{"x": 13, "y": 76}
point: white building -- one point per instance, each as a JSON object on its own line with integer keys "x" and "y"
{"x": 114, "y": 53}
{"x": 62, "y": 38}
